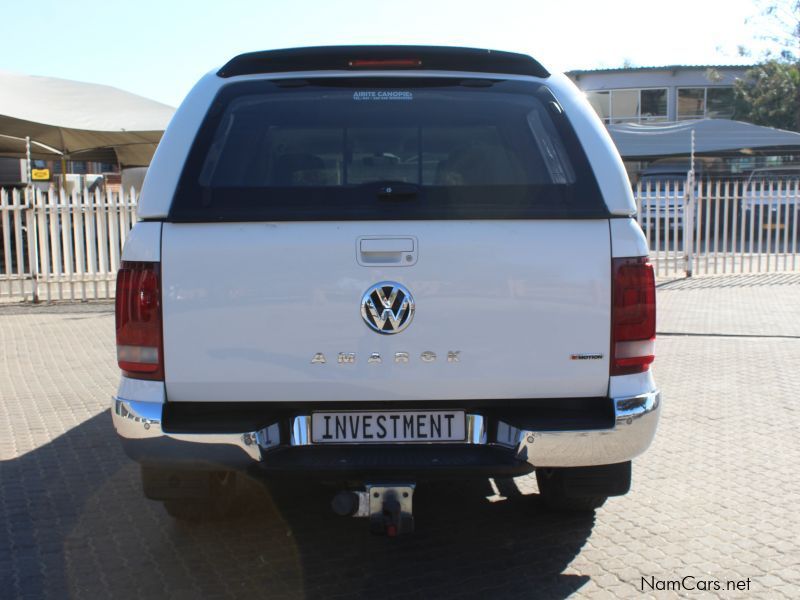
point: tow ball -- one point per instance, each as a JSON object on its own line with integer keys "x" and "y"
{"x": 388, "y": 507}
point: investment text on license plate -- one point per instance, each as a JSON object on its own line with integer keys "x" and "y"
{"x": 388, "y": 426}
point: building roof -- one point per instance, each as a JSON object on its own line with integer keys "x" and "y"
{"x": 662, "y": 68}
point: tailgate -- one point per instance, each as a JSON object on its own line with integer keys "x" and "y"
{"x": 503, "y": 309}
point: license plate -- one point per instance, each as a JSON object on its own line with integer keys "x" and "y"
{"x": 388, "y": 427}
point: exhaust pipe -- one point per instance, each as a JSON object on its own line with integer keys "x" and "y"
{"x": 345, "y": 503}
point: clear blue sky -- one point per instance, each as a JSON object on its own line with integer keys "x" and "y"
{"x": 159, "y": 48}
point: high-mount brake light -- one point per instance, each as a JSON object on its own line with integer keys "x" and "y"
{"x": 388, "y": 63}
{"x": 336, "y": 58}
{"x": 140, "y": 348}
{"x": 633, "y": 316}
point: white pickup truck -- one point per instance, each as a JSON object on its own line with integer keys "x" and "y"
{"x": 376, "y": 266}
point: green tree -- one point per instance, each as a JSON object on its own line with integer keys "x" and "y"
{"x": 769, "y": 94}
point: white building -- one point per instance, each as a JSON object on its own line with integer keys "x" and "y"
{"x": 660, "y": 94}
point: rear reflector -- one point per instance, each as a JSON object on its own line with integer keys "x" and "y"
{"x": 633, "y": 316}
{"x": 140, "y": 351}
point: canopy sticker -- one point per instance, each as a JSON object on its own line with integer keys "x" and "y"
{"x": 382, "y": 95}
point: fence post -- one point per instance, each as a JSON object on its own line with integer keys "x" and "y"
{"x": 33, "y": 241}
{"x": 688, "y": 213}
{"x": 688, "y": 222}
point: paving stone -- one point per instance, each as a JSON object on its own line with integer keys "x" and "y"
{"x": 715, "y": 496}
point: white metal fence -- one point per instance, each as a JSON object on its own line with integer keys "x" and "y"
{"x": 720, "y": 226}
{"x": 55, "y": 246}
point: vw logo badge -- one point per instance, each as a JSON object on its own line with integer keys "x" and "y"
{"x": 387, "y": 307}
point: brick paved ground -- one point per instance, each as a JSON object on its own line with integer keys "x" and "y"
{"x": 716, "y": 497}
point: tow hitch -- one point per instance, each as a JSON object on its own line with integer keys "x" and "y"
{"x": 388, "y": 506}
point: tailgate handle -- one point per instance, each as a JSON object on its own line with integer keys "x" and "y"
{"x": 397, "y": 251}
{"x": 382, "y": 245}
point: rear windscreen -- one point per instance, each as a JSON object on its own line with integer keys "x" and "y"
{"x": 385, "y": 149}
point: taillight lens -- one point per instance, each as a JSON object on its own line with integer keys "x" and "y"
{"x": 140, "y": 351}
{"x": 633, "y": 316}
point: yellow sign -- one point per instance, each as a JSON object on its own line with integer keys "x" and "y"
{"x": 40, "y": 174}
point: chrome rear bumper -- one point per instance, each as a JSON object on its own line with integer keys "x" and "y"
{"x": 139, "y": 426}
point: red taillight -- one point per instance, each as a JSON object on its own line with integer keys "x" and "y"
{"x": 389, "y": 63}
{"x": 633, "y": 316}
{"x": 140, "y": 351}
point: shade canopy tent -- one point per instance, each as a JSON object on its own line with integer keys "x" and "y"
{"x": 78, "y": 121}
{"x": 711, "y": 137}
{"x": 14, "y": 146}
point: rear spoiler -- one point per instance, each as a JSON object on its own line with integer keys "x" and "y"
{"x": 355, "y": 58}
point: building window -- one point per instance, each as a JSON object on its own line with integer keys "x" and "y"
{"x": 654, "y": 105}
{"x": 630, "y": 105}
{"x": 624, "y": 106}
{"x": 705, "y": 103}
{"x": 601, "y": 103}
{"x": 719, "y": 103}
{"x": 691, "y": 103}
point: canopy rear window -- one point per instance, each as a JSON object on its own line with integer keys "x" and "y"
{"x": 386, "y": 149}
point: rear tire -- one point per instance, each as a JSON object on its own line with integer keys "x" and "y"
{"x": 554, "y": 497}
{"x": 192, "y": 495}
{"x": 219, "y": 504}
{"x": 582, "y": 489}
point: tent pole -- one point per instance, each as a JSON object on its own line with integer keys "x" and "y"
{"x": 29, "y": 201}
{"x": 63, "y": 173}
{"x": 28, "y": 177}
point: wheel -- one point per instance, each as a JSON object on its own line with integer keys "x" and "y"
{"x": 553, "y": 494}
{"x": 582, "y": 489}
{"x": 219, "y": 503}
{"x": 192, "y": 495}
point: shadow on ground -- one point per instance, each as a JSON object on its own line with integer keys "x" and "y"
{"x": 75, "y": 524}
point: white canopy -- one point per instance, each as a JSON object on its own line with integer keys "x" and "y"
{"x": 82, "y": 121}
{"x": 721, "y": 136}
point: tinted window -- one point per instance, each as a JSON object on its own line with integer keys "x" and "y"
{"x": 385, "y": 149}
{"x": 720, "y": 103}
{"x": 691, "y": 103}
{"x": 654, "y": 104}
